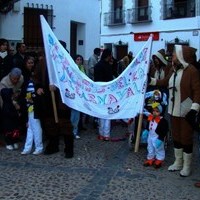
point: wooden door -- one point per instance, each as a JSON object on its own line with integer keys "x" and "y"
{"x": 73, "y": 39}
{"x": 121, "y": 51}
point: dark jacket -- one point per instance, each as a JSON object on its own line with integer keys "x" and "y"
{"x": 10, "y": 119}
{"x": 103, "y": 71}
{"x": 38, "y": 100}
{"x": 162, "y": 129}
{"x": 6, "y": 65}
{"x": 18, "y": 61}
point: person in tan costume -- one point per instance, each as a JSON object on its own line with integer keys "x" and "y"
{"x": 184, "y": 101}
{"x": 160, "y": 68}
{"x": 127, "y": 59}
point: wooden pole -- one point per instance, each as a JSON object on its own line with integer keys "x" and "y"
{"x": 137, "y": 142}
{"x": 54, "y": 106}
{"x": 139, "y": 128}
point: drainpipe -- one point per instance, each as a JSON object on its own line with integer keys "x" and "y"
{"x": 100, "y": 5}
{"x": 198, "y": 23}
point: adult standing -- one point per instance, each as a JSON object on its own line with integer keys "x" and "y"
{"x": 18, "y": 58}
{"x": 184, "y": 101}
{"x": 124, "y": 62}
{"x": 103, "y": 73}
{"x": 54, "y": 128}
{"x": 76, "y": 116}
{"x": 127, "y": 59}
{"x": 92, "y": 62}
{"x": 33, "y": 109}
{"x": 6, "y": 63}
{"x": 159, "y": 68}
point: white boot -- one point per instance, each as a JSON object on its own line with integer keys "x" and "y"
{"x": 187, "y": 160}
{"x": 178, "y": 163}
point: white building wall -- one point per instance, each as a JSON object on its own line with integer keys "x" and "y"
{"x": 183, "y": 28}
{"x": 83, "y": 12}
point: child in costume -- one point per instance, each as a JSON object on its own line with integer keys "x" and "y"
{"x": 157, "y": 131}
{"x": 155, "y": 96}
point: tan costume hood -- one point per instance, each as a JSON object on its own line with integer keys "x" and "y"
{"x": 185, "y": 54}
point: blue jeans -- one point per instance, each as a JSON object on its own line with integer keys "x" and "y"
{"x": 75, "y": 117}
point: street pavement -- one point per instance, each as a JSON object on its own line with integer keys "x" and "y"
{"x": 99, "y": 170}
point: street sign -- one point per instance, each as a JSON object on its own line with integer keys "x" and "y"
{"x": 145, "y": 36}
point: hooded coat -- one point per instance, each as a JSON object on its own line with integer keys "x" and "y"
{"x": 183, "y": 84}
{"x": 163, "y": 71}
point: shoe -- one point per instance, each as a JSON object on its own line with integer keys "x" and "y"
{"x": 106, "y": 138}
{"x": 197, "y": 184}
{"x": 49, "y": 151}
{"x": 37, "y": 152}
{"x": 9, "y": 147}
{"x": 100, "y": 137}
{"x": 148, "y": 162}
{"x": 25, "y": 152}
{"x": 157, "y": 164}
{"x": 77, "y": 137}
{"x": 16, "y": 146}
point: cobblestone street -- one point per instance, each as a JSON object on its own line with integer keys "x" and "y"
{"x": 98, "y": 171}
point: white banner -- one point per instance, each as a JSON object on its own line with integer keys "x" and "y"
{"x": 118, "y": 99}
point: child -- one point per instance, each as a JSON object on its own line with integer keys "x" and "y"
{"x": 157, "y": 131}
{"x": 10, "y": 119}
{"x": 155, "y": 96}
{"x": 33, "y": 94}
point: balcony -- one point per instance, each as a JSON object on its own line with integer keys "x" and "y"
{"x": 179, "y": 10}
{"x": 139, "y": 15}
{"x": 114, "y": 18}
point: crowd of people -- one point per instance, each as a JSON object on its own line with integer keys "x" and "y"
{"x": 26, "y": 114}
{"x": 26, "y": 101}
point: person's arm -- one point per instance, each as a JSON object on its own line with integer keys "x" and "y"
{"x": 195, "y": 87}
{"x": 163, "y": 82}
{"x": 91, "y": 64}
{"x": 162, "y": 129}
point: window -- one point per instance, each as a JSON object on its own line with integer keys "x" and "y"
{"x": 116, "y": 16}
{"x": 32, "y": 27}
{"x": 143, "y": 10}
{"x": 117, "y": 8}
{"x": 179, "y": 9}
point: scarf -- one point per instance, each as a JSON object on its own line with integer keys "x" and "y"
{"x": 153, "y": 118}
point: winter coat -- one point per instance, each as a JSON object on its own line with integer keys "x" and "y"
{"x": 6, "y": 65}
{"x": 103, "y": 71}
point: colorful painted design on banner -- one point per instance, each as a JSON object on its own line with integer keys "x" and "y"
{"x": 117, "y": 99}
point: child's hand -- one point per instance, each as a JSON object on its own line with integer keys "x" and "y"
{"x": 146, "y": 112}
{"x": 17, "y": 106}
{"x": 158, "y": 143}
{"x": 40, "y": 91}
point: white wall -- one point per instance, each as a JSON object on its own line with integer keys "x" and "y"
{"x": 169, "y": 29}
{"x": 84, "y": 12}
